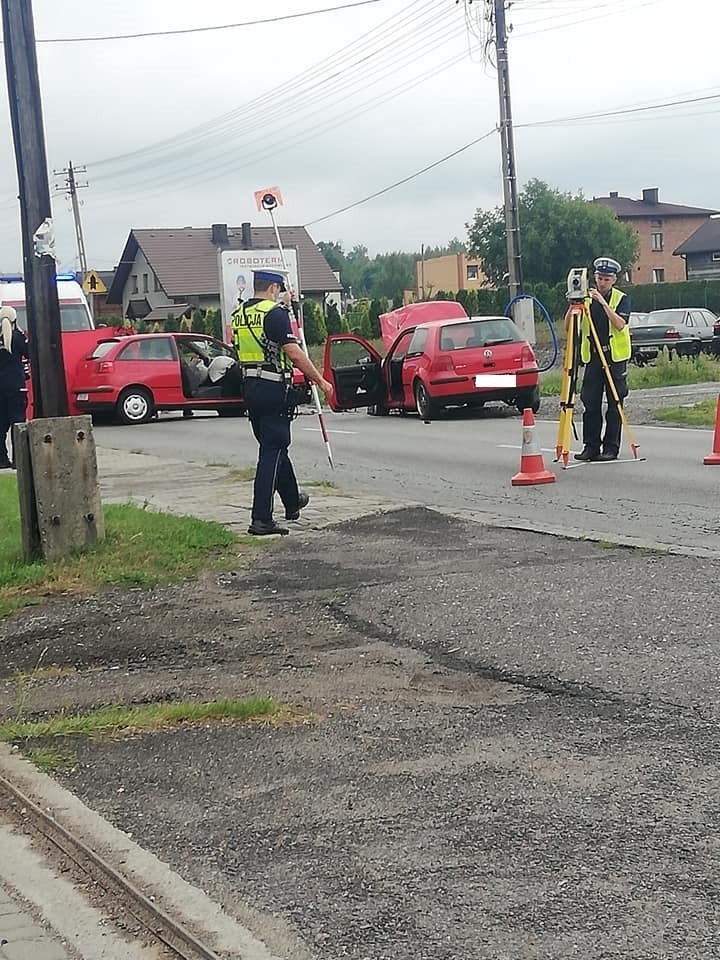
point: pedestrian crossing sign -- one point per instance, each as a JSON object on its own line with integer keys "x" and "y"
{"x": 93, "y": 284}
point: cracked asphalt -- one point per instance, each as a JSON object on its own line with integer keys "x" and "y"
{"x": 506, "y": 744}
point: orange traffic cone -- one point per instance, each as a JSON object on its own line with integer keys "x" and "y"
{"x": 532, "y": 468}
{"x": 714, "y": 457}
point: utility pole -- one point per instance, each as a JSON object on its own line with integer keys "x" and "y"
{"x": 71, "y": 188}
{"x": 512, "y": 223}
{"x": 43, "y": 310}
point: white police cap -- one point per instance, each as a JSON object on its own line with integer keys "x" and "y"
{"x": 607, "y": 266}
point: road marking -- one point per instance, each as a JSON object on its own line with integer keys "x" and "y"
{"x": 518, "y": 446}
{"x": 318, "y": 430}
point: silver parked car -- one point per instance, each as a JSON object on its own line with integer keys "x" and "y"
{"x": 686, "y": 331}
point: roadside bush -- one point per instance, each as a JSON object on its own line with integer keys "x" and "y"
{"x": 313, "y": 322}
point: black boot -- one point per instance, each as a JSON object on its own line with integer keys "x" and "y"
{"x": 303, "y": 501}
{"x": 267, "y": 528}
{"x": 588, "y": 453}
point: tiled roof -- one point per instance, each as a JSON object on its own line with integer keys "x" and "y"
{"x": 706, "y": 239}
{"x": 185, "y": 260}
{"x": 625, "y": 207}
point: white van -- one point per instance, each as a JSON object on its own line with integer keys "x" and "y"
{"x": 74, "y": 310}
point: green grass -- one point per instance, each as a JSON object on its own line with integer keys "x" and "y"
{"x": 49, "y": 759}
{"x": 664, "y": 372}
{"x": 698, "y": 415}
{"x": 118, "y": 720}
{"x": 141, "y": 548}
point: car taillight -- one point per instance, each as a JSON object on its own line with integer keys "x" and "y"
{"x": 105, "y": 366}
{"x": 527, "y": 357}
{"x": 672, "y": 334}
{"x": 716, "y": 330}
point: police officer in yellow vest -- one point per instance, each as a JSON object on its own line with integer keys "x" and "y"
{"x": 609, "y": 309}
{"x": 268, "y": 350}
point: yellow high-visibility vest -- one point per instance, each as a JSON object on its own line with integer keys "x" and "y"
{"x": 620, "y": 345}
{"x": 248, "y": 334}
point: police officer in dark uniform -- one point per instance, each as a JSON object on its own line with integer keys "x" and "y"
{"x": 609, "y": 309}
{"x": 13, "y": 393}
{"x": 267, "y": 350}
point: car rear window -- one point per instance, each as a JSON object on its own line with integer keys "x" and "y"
{"x": 479, "y": 333}
{"x": 102, "y": 349}
{"x": 153, "y": 348}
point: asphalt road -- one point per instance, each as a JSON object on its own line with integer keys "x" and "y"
{"x": 464, "y": 465}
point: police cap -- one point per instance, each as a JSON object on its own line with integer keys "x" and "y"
{"x": 607, "y": 266}
{"x": 270, "y": 276}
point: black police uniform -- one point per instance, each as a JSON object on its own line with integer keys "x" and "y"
{"x": 595, "y": 384}
{"x": 13, "y": 395}
{"x": 271, "y": 406}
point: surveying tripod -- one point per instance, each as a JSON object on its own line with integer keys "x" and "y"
{"x": 577, "y": 295}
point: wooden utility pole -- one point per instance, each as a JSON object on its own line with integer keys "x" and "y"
{"x": 512, "y": 222}
{"x": 43, "y": 310}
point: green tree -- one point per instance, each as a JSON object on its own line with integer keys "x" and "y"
{"x": 212, "y": 324}
{"x": 172, "y": 324}
{"x": 359, "y": 318}
{"x": 558, "y": 231}
{"x": 333, "y": 320}
{"x": 333, "y": 252}
{"x": 313, "y": 322}
{"x": 198, "y": 321}
{"x": 376, "y": 308}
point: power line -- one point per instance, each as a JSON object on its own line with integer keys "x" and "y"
{"x": 399, "y": 183}
{"x": 188, "y": 30}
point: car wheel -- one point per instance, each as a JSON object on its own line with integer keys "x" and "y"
{"x": 426, "y": 407}
{"x": 237, "y": 410}
{"x": 135, "y": 406}
{"x": 529, "y": 398}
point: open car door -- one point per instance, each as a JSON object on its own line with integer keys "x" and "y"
{"x": 354, "y": 368}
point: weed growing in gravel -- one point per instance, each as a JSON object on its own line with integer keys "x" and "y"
{"x": 118, "y": 720}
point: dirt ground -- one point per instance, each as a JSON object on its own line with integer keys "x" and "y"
{"x": 492, "y": 755}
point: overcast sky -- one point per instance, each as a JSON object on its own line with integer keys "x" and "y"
{"x": 339, "y": 105}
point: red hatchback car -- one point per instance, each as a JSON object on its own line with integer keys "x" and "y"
{"x": 134, "y": 377}
{"x": 432, "y": 365}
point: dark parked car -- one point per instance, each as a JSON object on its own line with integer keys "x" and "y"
{"x": 716, "y": 338}
{"x": 685, "y": 331}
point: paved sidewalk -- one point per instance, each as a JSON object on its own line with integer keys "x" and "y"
{"x": 21, "y": 938}
{"x": 218, "y": 493}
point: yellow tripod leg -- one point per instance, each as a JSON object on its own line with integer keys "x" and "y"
{"x": 611, "y": 384}
{"x": 567, "y": 388}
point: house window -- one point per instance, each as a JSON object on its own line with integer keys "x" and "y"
{"x": 145, "y": 283}
{"x": 656, "y": 224}
{"x": 158, "y": 288}
{"x": 471, "y": 271}
{"x": 716, "y": 256}
{"x": 134, "y": 284}
{"x": 656, "y": 241}
{"x": 658, "y": 275}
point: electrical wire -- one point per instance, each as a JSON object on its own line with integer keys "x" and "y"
{"x": 217, "y": 27}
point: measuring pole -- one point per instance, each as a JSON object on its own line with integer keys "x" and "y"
{"x": 314, "y": 392}
{"x": 43, "y": 310}
{"x": 512, "y": 223}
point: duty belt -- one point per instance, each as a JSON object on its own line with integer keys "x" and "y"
{"x": 261, "y": 374}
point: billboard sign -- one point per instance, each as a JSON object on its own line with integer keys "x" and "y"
{"x": 236, "y": 274}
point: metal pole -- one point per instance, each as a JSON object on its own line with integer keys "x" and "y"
{"x": 512, "y": 224}
{"x": 76, "y": 216}
{"x": 43, "y": 310}
{"x": 301, "y": 329}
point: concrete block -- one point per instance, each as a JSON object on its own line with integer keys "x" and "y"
{"x": 34, "y": 950}
{"x": 26, "y": 492}
{"x": 63, "y": 464}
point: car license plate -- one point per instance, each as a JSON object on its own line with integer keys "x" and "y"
{"x": 82, "y": 396}
{"x": 495, "y": 380}
{"x": 647, "y": 349}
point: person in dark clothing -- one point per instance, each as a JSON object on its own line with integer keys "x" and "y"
{"x": 267, "y": 351}
{"x": 13, "y": 394}
{"x": 609, "y": 310}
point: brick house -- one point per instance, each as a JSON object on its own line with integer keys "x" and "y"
{"x": 662, "y": 228}
{"x": 455, "y": 271}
